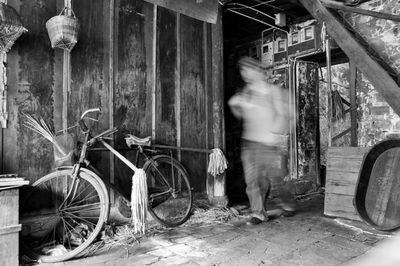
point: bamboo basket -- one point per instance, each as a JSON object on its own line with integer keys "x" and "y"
{"x": 63, "y": 30}
{"x": 11, "y": 27}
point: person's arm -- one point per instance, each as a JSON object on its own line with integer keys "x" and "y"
{"x": 235, "y": 103}
{"x": 281, "y": 105}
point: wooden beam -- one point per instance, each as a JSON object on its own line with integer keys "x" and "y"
{"x": 338, "y": 136}
{"x": 375, "y": 73}
{"x": 205, "y": 10}
{"x": 353, "y": 104}
{"x": 342, "y": 6}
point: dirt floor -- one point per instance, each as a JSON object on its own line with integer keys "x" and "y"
{"x": 219, "y": 236}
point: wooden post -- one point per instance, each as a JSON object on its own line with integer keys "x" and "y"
{"x": 3, "y": 104}
{"x": 329, "y": 90}
{"x": 66, "y": 79}
{"x": 293, "y": 122}
{"x": 353, "y": 104}
{"x": 178, "y": 86}
{"x": 219, "y": 197}
{"x": 3, "y": 87}
{"x": 208, "y": 103}
{"x": 209, "y": 181}
{"x": 153, "y": 92}
{"x": 111, "y": 39}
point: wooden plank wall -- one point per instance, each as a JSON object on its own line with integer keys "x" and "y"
{"x": 89, "y": 72}
{"x": 148, "y": 68}
{"x": 193, "y": 98}
{"x": 343, "y": 168}
{"x": 133, "y": 79}
{"x": 166, "y": 77}
{"x": 30, "y": 72}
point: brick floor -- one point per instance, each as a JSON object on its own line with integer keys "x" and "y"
{"x": 308, "y": 238}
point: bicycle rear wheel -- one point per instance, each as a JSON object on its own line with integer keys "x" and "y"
{"x": 170, "y": 194}
{"x": 61, "y": 217}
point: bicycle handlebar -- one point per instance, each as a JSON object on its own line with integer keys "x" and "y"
{"x": 90, "y": 111}
{"x": 82, "y": 123}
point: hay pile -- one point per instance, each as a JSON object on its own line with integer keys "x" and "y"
{"x": 125, "y": 236}
{"x": 212, "y": 215}
{"x": 113, "y": 236}
{"x": 204, "y": 213}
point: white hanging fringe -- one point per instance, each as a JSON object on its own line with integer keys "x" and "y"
{"x": 139, "y": 201}
{"x": 218, "y": 163}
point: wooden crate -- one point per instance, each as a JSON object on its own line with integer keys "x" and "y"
{"x": 343, "y": 167}
{"x": 9, "y": 227}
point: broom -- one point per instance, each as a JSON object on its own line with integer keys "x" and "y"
{"x": 217, "y": 164}
{"x": 139, "y": 201}
{"x": 139, "y": 193}
{"x": 44, "y": 130}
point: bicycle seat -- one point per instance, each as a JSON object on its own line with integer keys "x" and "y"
{"x": 133, "y": 140}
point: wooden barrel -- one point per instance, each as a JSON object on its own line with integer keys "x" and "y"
{"x": 377, "y": 196}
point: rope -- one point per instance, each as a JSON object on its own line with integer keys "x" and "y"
{"x": 217, "y": 164}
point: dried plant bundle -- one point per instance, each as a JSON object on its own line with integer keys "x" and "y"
{"x": 44, "y": 130}
{"x": 338, "y": 111}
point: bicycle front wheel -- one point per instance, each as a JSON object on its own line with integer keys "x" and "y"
{"x": 61, "y": 216}
{"x": 170, "y": 194}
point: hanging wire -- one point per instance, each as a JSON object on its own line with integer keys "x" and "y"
{"x": 267, "y": 4}
{"x": 252, "y": 6}
{"x": 234, "y": 10}
{"x": 263, "y": 22}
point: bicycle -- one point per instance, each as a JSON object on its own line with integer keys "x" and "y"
{"x": 68, "y": 207}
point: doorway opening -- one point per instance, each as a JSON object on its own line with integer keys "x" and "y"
{"x": 288, "y": 43}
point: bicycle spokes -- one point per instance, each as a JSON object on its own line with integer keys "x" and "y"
{"x": 169, "y": 191}
{"x": 74, "y": 209}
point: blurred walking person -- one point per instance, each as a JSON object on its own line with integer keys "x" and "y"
{"x": 264, "y": 110}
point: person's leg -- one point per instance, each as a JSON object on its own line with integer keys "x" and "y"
{"x": 285, "y": 198}
{"x": 262, "y": 158}
{"x": 277, "y": 170}
{"x": 254, "y": 188}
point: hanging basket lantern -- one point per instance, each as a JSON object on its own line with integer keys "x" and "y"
{"x": 10, "y": 27}
{"x": 63, "y": 30}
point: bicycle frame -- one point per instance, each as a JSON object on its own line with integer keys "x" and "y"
{"x": 89, "y": 141}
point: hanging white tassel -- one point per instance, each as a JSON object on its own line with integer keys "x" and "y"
{"x": 139, "y": 201}
{"x": 217, "y": 163}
